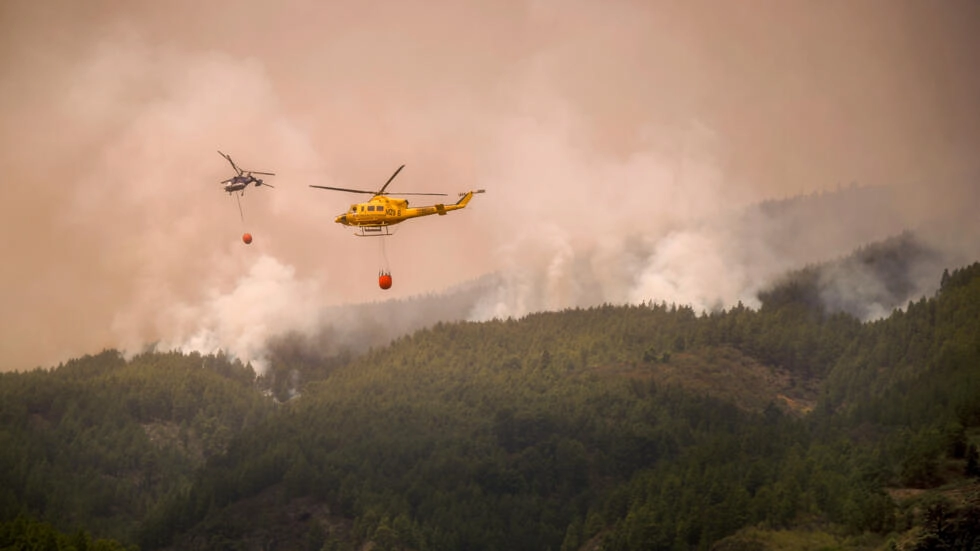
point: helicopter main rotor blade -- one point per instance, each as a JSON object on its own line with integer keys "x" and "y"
{"x": 379, "y": 192}
{"x": 265, "y": 173}
{"x": 343, "y": 189}
{"x": 390, "y": 179}
{"x": 233, "y": 165}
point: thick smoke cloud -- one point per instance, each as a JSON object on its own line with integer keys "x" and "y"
{"x": 626, "y": 150}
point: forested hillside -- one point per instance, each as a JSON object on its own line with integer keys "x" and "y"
{"x": 96, "y": 442}
{"x": 564, "y": 428}
{"x": 616, "y": 427}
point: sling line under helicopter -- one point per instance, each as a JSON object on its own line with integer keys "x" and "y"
{"x": 384, "y": 273}
{"x": 246, "y": 236}
{"x": 241, "y": 214}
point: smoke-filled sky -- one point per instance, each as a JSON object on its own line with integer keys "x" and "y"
{"x": 619, "y": 144}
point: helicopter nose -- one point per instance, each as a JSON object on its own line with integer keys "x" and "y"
{"x": 342, "y": 219}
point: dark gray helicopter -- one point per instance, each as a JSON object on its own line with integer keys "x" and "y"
{"x": 243, "y": 179}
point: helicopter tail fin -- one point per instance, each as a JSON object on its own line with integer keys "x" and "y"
{"x": 465, "y": 197}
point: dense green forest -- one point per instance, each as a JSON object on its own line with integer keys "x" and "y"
{"x": 648, "y": 426}
{"x": 96, "y": 442}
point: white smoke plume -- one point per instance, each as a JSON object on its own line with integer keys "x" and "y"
{"x": 262, "y": 303}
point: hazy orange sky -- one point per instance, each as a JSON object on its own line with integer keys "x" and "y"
{"x": 589, "y": 124}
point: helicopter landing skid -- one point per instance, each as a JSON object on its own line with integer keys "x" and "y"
{"x": 374, "y": 231}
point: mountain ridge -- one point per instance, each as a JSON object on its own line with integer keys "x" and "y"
{"x": 630, "y": 427}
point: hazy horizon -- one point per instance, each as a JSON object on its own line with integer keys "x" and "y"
{"x": 619, "y": 144}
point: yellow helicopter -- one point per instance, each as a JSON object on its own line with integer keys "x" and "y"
{"x": 378, "y": 214}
